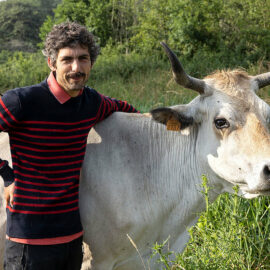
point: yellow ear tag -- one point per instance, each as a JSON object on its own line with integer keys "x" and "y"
{"x": 173, "y": 124}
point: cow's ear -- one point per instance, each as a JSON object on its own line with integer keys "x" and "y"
{"x": 163, "y": 115}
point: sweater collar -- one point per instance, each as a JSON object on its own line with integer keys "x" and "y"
{"x": 59, "y": 93}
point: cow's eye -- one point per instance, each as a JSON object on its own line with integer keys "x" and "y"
{"x": 221, "y": 123}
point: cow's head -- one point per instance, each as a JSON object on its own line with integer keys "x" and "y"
{"x": 230, "y": 123}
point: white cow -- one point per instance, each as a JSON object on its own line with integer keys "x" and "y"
{"x": 143, "y": 180}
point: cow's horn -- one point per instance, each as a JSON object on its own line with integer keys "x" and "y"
{"x": 180, "y": 75}
{"x": 262, "y": 79}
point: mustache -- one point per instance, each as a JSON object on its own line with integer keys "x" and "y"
{"x": 75, "y": 74}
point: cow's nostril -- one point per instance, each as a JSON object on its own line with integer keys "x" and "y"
{"x": 266, "y": 172}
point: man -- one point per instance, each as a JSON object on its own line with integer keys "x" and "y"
{"x": 48, "y": 124}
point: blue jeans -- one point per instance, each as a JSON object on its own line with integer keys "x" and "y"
{"x": 66, "y": 256}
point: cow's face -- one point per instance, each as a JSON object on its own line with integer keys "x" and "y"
{"x": 237, "y": 142}
{"x": 231, "y": 126}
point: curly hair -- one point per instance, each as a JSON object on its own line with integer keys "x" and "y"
{"x": 69, "y": 34}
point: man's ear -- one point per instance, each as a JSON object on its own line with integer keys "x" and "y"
{"x": 50, "y": 64}
{"x": 163, "y": 115}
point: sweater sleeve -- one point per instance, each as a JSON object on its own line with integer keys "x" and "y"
{"x": 10, "y": 110}
{"x": 109, "y": 105}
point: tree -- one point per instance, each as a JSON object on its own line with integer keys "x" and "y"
{"x": 108, "y": 20}
{"x": 234, "y": 28}
{"x": 20, "y": 21}
{"x": 154, "y": 25}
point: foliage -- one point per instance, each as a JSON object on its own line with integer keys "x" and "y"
{"x": 233, "y": 233}
{"x": 20, "y": 69}
{"x": 66, "y": 10}
{"x": 20, "y": 22}
{"x": 241, "y": 26}
{"x": 109, "y": 20}
{"x": 154, "y": 25}
{"x": 237, "y": 28}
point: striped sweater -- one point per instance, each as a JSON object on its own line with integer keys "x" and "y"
{"x": 48, "y": 141}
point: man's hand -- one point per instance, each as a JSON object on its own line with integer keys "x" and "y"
{"x": 9, "y": 194}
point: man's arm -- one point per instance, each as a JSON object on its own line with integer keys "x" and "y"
{"x": 10, "y": 109}
{"x": 110, "y": 105}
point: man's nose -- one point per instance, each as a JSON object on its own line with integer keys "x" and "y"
{"x": 75, "y": 65}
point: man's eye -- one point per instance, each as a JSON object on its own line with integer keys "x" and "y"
{"x": 84, "y": 58}
{"x": 221, "y": 123}
{"x": 66, "y": 60}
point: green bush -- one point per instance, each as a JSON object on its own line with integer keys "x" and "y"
{"x": 20, "y": 69}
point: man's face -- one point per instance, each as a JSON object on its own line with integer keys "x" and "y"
{"x": 72, "y": 68}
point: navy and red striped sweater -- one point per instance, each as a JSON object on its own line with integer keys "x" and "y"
{"x": 48, "y": 141}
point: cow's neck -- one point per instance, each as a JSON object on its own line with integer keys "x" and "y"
{"x": 173, "y": 178}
